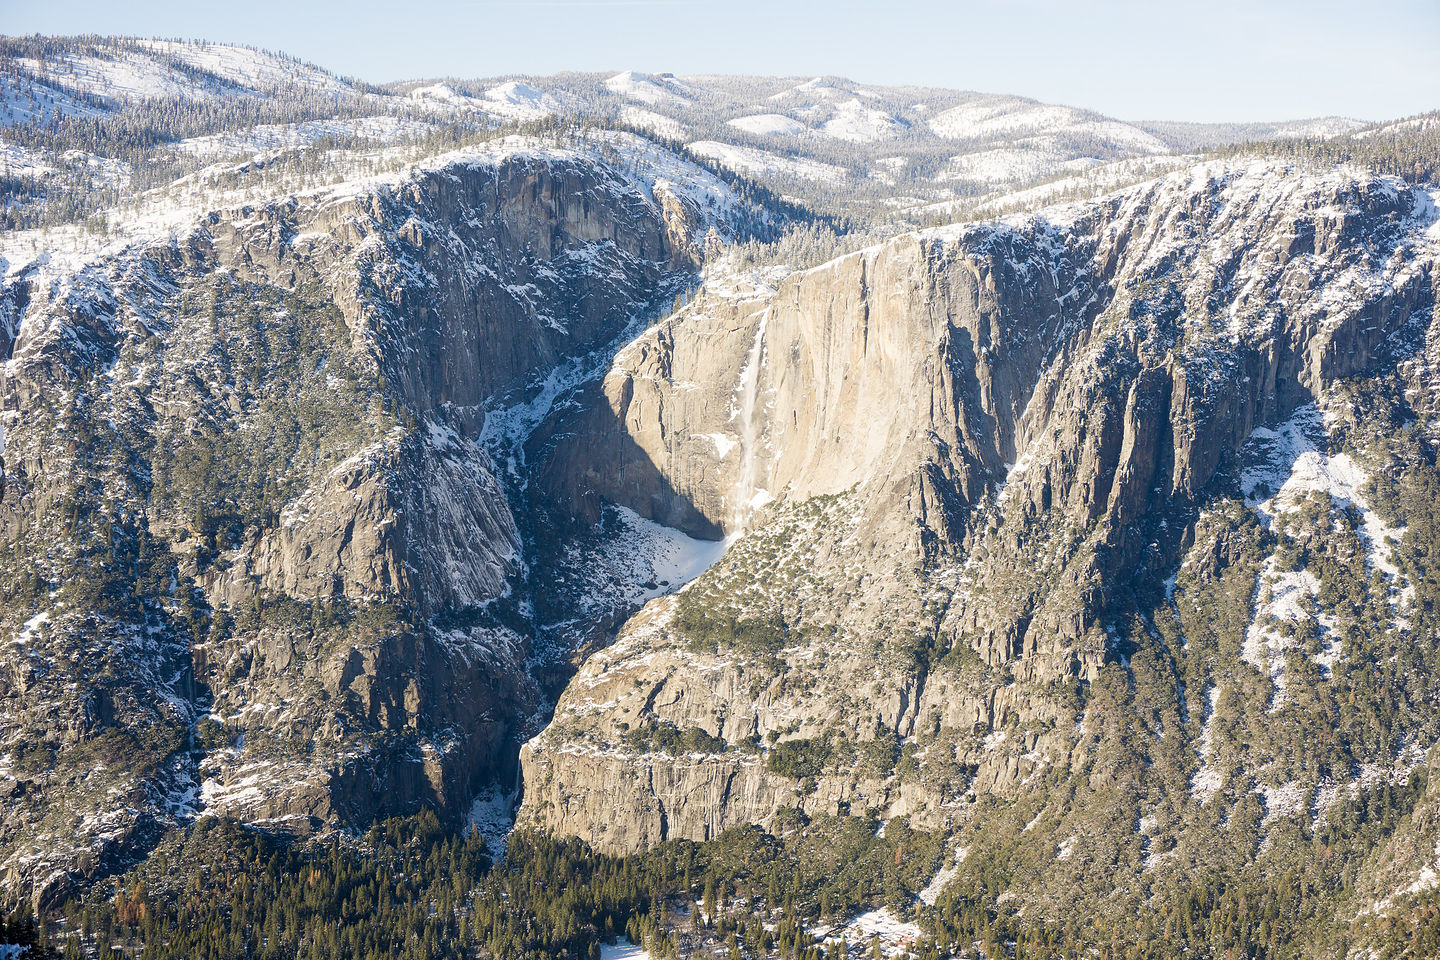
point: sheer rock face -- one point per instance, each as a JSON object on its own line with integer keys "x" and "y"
{"x": 486, "y": 272}
{"x": 338, "y": 628}
{"x": 1011, "y": 426}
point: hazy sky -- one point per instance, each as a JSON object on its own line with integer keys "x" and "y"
{"x": 1200, "y": 60}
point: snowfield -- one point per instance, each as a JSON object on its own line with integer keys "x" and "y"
{"x": 668, "y": 559}
{"x": 770, "y": 124}
{"x": 493, "y": 814}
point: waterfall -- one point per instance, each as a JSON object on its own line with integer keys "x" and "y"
{"x": 747, "y": 395}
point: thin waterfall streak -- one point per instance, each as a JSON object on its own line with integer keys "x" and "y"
{"x": 748, "y": 393}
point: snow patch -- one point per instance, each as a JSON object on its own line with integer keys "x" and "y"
{"x": 936, "y": 886}
{"x": 493, "y": 815}
{"x": 675, "y": 558}
{"x": 1285, "y": 600}
{"x": 1207, "y": 780}
{"x": 1428, "y": 878}
{"x": 1285, "y": 800}
{"x": 623, "y": 949}
{"x": 724, "y": 442}
{"x": 28, "y": 630}
{"x": 897, "y": 938}
{"x": 1283, "y": 466}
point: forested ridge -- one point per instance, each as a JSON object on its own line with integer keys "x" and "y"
{"x": 411, "y": 888}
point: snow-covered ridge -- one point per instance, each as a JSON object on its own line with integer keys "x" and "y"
{"x": 124, "y": 76}
{"x": 800, "y": 137}
{"x": 519, "y": 101}
{"x": 1241, "y": 193}
{"x": 155, "y": 69}
{"x": 164, "y": 214}
{"x": 249, "y": 68}
{"x": 995, "y": 118}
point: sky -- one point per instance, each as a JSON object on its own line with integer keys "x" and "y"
{"x": 1205, "y": 60}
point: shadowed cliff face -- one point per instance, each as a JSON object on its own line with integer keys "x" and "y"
{"x": 984, "y": 442}
{"x": 257, "y": 558}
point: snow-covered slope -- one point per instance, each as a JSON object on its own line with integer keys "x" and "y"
{"x": 128, "y": 70}
{"x": 927, "y": 149}
{"x": 755, "y": 162}
{"x": 953, "y": 144}
{"x": 648, "y": 89}
{"x": 269, "y": 137}
{"x": 1100, "y": 488}
{"x": 249, "y": 69}
{"x": 519, "y": 101}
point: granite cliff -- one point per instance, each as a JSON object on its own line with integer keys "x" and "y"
{"x": 965, "y": 463}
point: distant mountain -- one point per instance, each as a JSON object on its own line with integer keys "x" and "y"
{"x": 842, "y": 147}
{"x": 832, "y": 137}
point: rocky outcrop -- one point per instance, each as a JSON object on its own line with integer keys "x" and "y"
{"x": 412, "y": 516}
{"x": 602, "y": 771}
